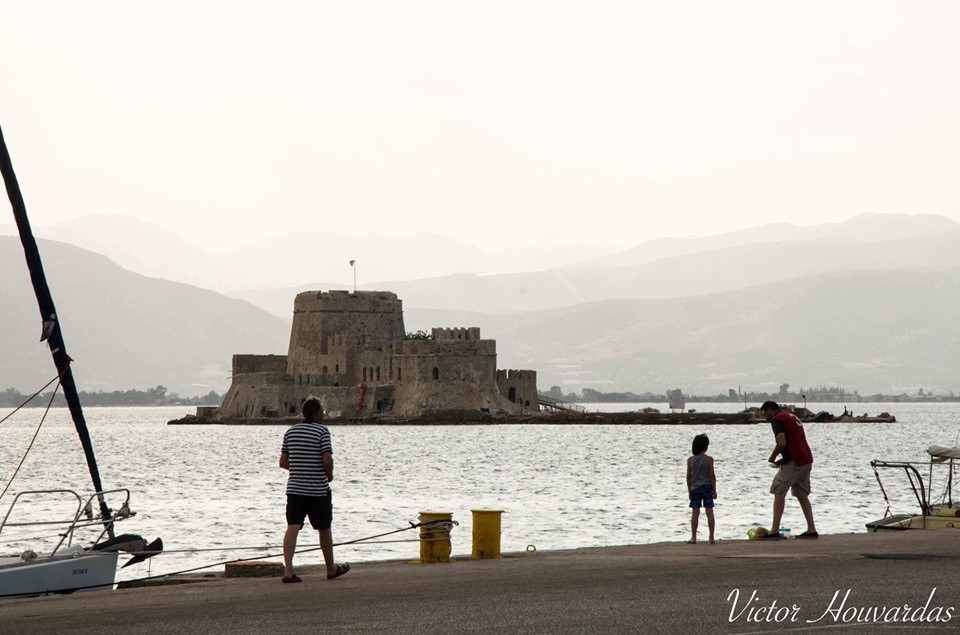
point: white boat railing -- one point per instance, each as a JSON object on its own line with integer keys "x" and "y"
{"x": 82, "y": 518}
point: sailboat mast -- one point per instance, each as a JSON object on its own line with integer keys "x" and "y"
{"x": 48, "y": 315}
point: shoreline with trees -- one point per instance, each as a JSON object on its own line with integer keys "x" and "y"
{"x": 13, "y": 398}
{"x": 823, "y": 394}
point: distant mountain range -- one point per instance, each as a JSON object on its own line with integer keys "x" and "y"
{"x": 681, "y": 267}
{"x": 124, "y": 330}
{"x": 870, "y": 304}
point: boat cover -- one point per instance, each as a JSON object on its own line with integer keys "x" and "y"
{"x": 939, "y": 453}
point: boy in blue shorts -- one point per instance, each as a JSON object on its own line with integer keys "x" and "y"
{"x": 702, "y": 483}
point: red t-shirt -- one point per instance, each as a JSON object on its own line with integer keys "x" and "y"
{"x": 797, "y": 449}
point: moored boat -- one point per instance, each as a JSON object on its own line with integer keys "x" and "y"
{"x": 938, "y": 505}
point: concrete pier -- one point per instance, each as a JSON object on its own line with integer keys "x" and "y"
{"x": 841, "y": 584}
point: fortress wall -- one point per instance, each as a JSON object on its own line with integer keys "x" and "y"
{"x": 444, "y": 375}
{"x": 259, "y": 385}
{"x": 519, "y": 387}
{"x": 340, "y": 402}
{"x": 426, "y": 361}
{"x": 372, "y": 368}
{"x": 445, "y": 347}
{"x": 479, "y": 370}
{"x": 243, "y": 364}
{"x": 327, "y": 369}
{"x": 411, "y": 400}
{"x": 346, "y": 366}
{"x": 257, "y": 395}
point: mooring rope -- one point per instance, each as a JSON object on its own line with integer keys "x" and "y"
{"x": 449, "y": 524}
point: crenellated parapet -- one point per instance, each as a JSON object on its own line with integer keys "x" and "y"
{"x": 471, "y": 333}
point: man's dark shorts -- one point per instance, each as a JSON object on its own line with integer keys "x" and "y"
{"x": 318, "y": 508}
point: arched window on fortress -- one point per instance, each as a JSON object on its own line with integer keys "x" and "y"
{"x": 364, "y": 373}
{"x": 336, "y": 369}
{"x": 378, "y": 373}
{"x": 512, "y": 394}
{"x": 436, "y": 373}
{"x": 324, "y": 370}
{"x": 399, "y": 373}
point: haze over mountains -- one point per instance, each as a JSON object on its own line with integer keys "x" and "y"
{"x": 871, "y": 304}
{"x": 296, "y": 257}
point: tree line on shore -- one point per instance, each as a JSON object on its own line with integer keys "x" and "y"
{"x": 12, "y": 398}
{"x": 823, "y": 394}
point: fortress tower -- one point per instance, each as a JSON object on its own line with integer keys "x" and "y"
{"x": 342, "y": 339}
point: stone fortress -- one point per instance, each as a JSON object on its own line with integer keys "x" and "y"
{"x": 350, "y": 350}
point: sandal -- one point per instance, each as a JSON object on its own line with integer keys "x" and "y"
{"x": 809, "y": 534}
{"x": 341, "y": 569}
{"x": 290, "y": 578}
{"x": 775, "y": 536}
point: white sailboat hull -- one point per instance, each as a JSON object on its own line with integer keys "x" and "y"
{"x": 85, "y": 571}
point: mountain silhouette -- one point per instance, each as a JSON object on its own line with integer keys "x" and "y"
{"x": 869, "y": 304}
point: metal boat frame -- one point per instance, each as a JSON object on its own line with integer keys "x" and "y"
{"x": 944, "y": 514}
{"x": 67, "y": 568}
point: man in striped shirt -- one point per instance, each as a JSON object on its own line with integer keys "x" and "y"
{"x": 308, "y": 455}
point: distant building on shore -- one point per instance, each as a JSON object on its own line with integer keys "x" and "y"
{"x": 350, "y": 349}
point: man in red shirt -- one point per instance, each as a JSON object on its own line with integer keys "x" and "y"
{"x": 793, "y": 467}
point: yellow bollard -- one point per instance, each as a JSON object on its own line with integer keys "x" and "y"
{"x": 486, "y": 533}
{"x": 435, "y": 539}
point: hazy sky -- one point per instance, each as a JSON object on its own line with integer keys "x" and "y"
{"x": 501, "y": 122}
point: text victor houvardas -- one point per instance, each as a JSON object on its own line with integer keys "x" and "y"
{"x": 842, "y": 609}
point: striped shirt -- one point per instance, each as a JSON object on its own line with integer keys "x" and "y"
{"x": 305, "y": 443}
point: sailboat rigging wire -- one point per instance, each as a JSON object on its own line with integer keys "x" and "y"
{"x": 51, "y": 326}
{"x": 36, "y": 432}
{"x": 30, "y": 398}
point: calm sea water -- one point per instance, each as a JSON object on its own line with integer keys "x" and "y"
{"x": 219, "y": 487}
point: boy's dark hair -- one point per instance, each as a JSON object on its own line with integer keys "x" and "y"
{"x": 312, "y": 409}
{"x": 769, "y": 405}
{"x": 700, "y": 444}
